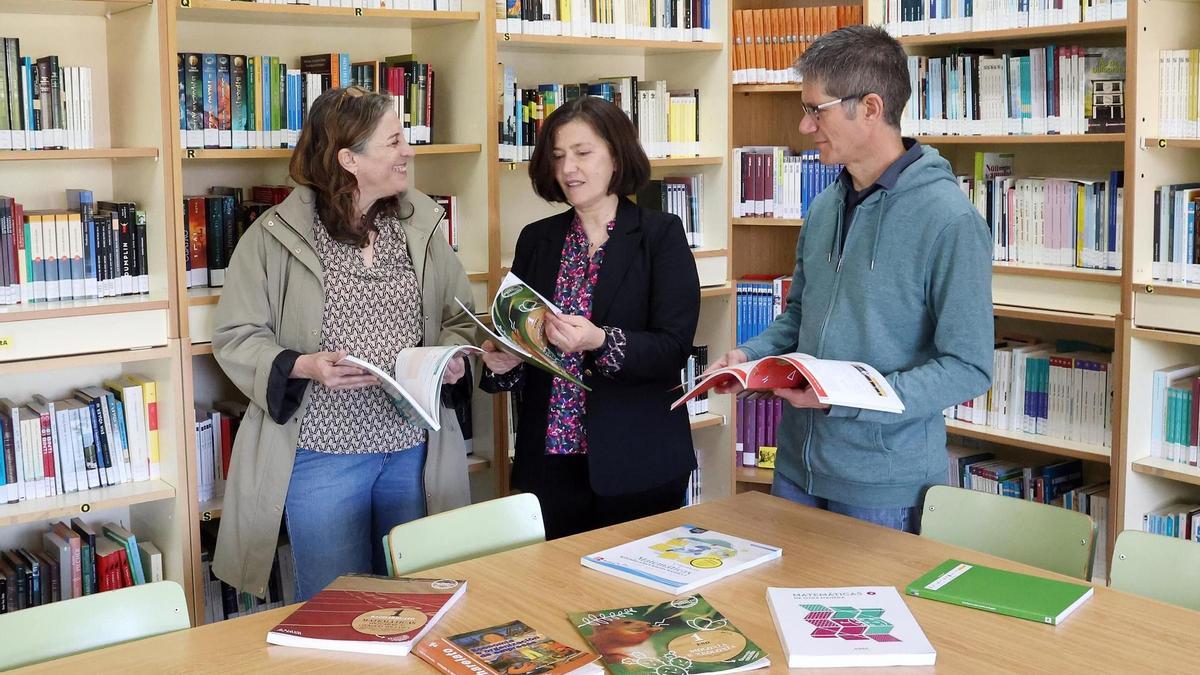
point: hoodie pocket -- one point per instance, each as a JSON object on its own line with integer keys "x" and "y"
{"x": 906, "y": 446}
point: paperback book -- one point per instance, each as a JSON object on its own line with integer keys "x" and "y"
{"x": 845, "y": 383}
{"x": 857, "y": 626}
{"x": 1000, "y": 591}
{"x": 681, "y": 559}
{"x": 369, "y": 614}
{"x": 509, "y": 648}
{"x": 416, "y": 388}
{"x": 519, "y": 321}
{"x": 685, "y": 635}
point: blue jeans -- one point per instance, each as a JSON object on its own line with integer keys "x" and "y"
{"x": 905, "y": 519}
{"x": 339, "y": 507}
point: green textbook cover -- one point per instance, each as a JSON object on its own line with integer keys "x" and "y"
{"x": 681, "y": 636}
{"x": 1000, "y": 591}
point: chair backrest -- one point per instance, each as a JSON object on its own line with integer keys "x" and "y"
{"x": 464, "y": 533}
{"x": 1159, "y": 567}
{"x": 81, "y": 624}
{"x": 1045, "y": 536}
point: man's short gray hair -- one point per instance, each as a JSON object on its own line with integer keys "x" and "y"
{"x": 859, "y": 60}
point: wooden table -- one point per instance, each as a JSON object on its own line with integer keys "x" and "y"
{"x": 1112, "y": 633}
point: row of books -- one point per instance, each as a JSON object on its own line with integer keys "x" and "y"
{"x": 766, "y": 42}
{"x": 695, "y": 485}
{"x": 222, "y": 601}
{"x": 94, "y": 438}
{"x": 758, "y": 415}
{"x": 1174, "y": 411}
{"x": 43, "y": 106}
{"x": 682, "y": 196}
{"x": 238, "y": 101}
{"x": 1179, "y": 87}
{"x": 668, "y": 122}
{"x": 422, "y": 5}
{"x": 76, "y": 559}
{"x": 697, "y": 363}
{"x": 1177, "y": 519}
{"x": 760, "y": 298}
{"x": 926, "y": 17}
{"x": 663, "y": 20}
{"x": 1048, "y": 221}
{"x": 1043, "y": 90}
{"x": 983, "y": 471}
{"x": 215, "y": 430}
{"x": 1176, "y": 240}
{"x": 88, "y": 250}
{"x": 1062, "y": 390}
{"x": 774, "y": 182}
{"x": 214, "y": 223}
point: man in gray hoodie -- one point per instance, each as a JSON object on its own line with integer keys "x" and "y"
{"x": 893, "y": 268}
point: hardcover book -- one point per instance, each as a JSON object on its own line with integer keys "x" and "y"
{"x": 857, "y": 626}
{"x": 682, "y": 636}
{"x": 369, "y": 614}
{"x": 680, "y": 559}
{"x": 1000, "y": 591}
{"x": 509, "y": 648}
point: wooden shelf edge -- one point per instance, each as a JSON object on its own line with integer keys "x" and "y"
{"x": 75, "y": 503}
{"x": 1186, "y": 143}
{"x": 780, "y": 88}
{"x": 284, "y": 153}
{"x": 1053, "y": 272}
{"x": 203, "y": 296}
{"x": 93, "y": 153}
{"x": 201, "y": 348}
{"x": 706, "y": 420}
{"x": 655, "y": 162}
{"x": 1055, "y": 316}
{"x": 506, "y": 39}
{"x": 477, "y": 276}
{"x": 212, "y": 509}
{"x": 206, "y": 9}
{"x": 1063, "y": 29}
{"x": 755, "y": 475}
{"x": 1164, "y": 468}
{"x": 1046, "y": 444}
{"x": 65, "y": 309}
{"x": 709, "y": 252}
{"x": 1021, "y": 139}
{"x": 770, "y": 222}
{"x": 716, "y": 291}
{"x": 86, "y": 360}
{"x": 1175, "y": 337}
{"x": 476, "y": 464}
{"x": 1168, "y": 288}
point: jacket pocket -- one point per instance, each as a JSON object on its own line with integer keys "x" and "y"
{"x": 906, "y": 446}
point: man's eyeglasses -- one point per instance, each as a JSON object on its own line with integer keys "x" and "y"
{"x": 815, "y": 110}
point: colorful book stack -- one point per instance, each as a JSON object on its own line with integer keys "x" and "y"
{"x": 697, "y": 363}
{"x": 688, "y": 21}
{"x": 238, "y": 101}
{"x": 90, "y": 249}
{"x": 43, "y": 105}
{"x": 76, "y": 559}
{"x": 1048, "y": 221}
{"x": 668, "y": 121}
{"x": 775, "y": 183}
{"x": 758, "y": 417}
{"x": 766, "y": 42}
{"x": 213, "y": 224}
{"x": 1176, "y": 241}
{"x": 904, "y": 17}
{"x": 1063, "y": 390}
{"x": 760, "y": 298}
{"x": 682, "y": 196}
{"x": 99, "y": 437}
{"x": 1179, "y": 87}
{"x": 1174, "y": 411}
{"x": 1043, "y": 90}
{"x": 422, "y": 5}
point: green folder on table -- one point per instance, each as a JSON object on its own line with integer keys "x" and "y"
{"x": 1000, "y": 591}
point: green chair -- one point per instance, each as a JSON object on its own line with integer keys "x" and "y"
{"x": 1158, "y": 567}
{"x": 464, "y": 533}
{"x": 81, "y": 624}
{"x": 1045, "y": 536}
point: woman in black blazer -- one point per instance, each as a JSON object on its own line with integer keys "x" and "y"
{"x": 626, "y": 282}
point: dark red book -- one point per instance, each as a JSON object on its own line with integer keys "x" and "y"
{"x": 369, "y": 614}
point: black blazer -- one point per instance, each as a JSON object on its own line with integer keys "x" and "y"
{"x": 648, "y": 287}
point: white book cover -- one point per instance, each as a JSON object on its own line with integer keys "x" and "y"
{"x": 866, "y": 626}
{"x": 682, "y": 559}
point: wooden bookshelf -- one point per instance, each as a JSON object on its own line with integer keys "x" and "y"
{"x": 1023, "y": 139}
{"x": 716, "y": 291}
{"x": 59, "y": 309}
{"x": 1053, "y": 272}
{"x": 1014, "y": 35}
{"x": 655, "y": 163}
{"x": 1046, "y": 444}
{"x": 202, "y": 348}
{"x": 1183, "y": 143}
{"x": 1051, "y": 316}
{"x": 755, "y": 475}
{"x": 1175, "y": 337}
{"x": 72, "y": 7}
{"x": 76, "y": 155}
{"x": 551, "y": 44}
{"x": 224, "y": 11}
{"x": 769, "y": 222}
{"x": 286, "y": 153}
{"x": 203, "y": 296}
{"x": 123, "y": 356}
{"x": 705, "y": 420}
{"x": 81, "y": 503}
{"x": 1175, "y": 289}
{"x": 1163, "y": 468}
{"x": 794, "y": 88}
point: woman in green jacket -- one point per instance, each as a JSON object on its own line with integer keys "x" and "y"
{"x": 350, "y": 263}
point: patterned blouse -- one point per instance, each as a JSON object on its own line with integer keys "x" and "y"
{"x": 372, "y": 313}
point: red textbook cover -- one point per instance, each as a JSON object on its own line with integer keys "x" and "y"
{"x": 369, "y": 614}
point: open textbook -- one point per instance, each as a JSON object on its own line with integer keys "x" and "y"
{"x": 416, "y": 389}
{"x": 519, "y": 318}
{"x": 845, "y": 383}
